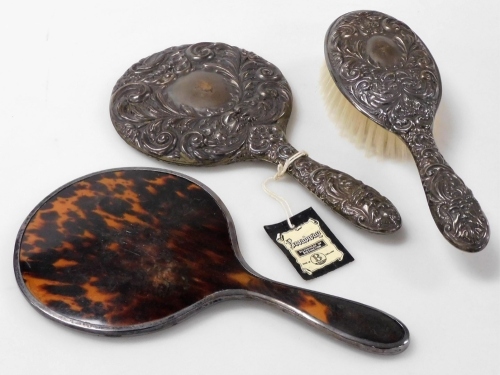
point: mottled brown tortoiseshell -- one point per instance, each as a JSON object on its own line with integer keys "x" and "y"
{"x": 127, "y": 247}
{"x": 122, "y": 248}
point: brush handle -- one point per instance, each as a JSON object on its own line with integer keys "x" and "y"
{"x": 456, "y": 212}
{"x": 354, "y": 323}
{"x": 359, "y": 203}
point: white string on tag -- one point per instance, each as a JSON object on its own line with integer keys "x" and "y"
{"x": 279, "y": 174}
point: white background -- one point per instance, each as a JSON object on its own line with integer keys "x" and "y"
{"x": 59, "y": 62}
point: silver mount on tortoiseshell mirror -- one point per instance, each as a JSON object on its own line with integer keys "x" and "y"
{"x": 211, "y": 104}
{"x": 385, "y": 70}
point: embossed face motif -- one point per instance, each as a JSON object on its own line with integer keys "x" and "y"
{"x": 201, "y": 104}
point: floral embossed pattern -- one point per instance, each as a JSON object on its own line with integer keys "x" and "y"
{"x": 209, "y": 121}
{"x": 386, "y": 71}
{"x": 212, "y": 104}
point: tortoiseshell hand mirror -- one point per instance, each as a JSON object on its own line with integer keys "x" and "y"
{"x": 211, "y": 104}
{"x": 130, "y": 251}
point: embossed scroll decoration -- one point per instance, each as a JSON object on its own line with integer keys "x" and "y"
{"x": 386, "y": 72}
{"x": 212, "y": 104}
{"x": 202, "y": 121}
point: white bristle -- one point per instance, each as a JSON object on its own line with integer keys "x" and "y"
{"x": 356, "y": 127}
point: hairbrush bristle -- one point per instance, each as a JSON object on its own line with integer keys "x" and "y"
{"x": 356, "y": 127}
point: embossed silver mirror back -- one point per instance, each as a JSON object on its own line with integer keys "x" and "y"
{"x": 200, "y": 104}
{"x": 385, "y": 70}
{"x": 212, "y": 104}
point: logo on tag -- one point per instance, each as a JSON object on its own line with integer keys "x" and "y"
{"x": 310, "y": 246}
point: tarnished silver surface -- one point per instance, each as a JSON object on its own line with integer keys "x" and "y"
{"x": 385, "y": 70}
{"x": 211, "y": 104}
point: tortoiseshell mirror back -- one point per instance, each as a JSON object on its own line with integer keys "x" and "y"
{"x": 128, "y": 251}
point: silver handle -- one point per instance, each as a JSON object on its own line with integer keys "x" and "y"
{"x": 456, "y": 212}
{"x": 359, "y": 203}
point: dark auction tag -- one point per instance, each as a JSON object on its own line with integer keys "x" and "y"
{"x": 310, "y": 246}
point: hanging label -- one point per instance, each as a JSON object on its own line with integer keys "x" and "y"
{"x": 310, "y": 246}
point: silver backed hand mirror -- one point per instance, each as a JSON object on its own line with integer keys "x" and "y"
{"x": 385, "y": 70}
{"x": 211, "y": 104}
